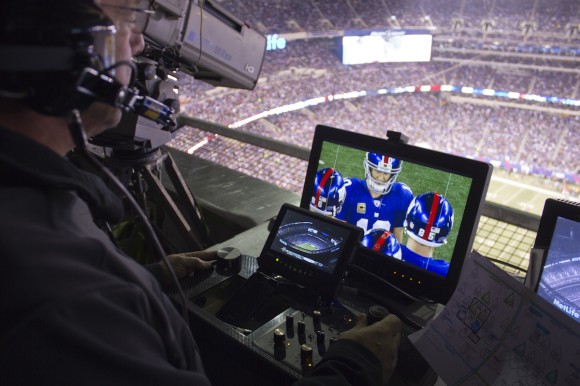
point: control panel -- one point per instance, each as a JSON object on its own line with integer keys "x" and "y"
{"x": 303, "y": 339}
{"x": 281, "y": 327}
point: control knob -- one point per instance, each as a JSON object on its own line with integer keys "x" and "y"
{"x": 306, "y": 358}
{"x": 316, "y": 316}
{"x": 320, "y": 337}
{"x": 301, "y": 327}
{"x": 290, "y": 325}
{"x": 279, "y": 337}
{"x": 279, "y": 346}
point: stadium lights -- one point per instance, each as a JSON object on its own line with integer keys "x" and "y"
{"x": 393, "y": 22}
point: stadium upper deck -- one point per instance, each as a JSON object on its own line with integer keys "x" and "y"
{"x": 547, "y": 18}
{"x": 547, "y": 140}
{"x": 520, "y": 136}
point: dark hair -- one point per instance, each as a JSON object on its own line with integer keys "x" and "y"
{"x": 45, "y": 44}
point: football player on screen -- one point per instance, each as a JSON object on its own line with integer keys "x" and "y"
{"x": 328, "y": 193}
{"x": 428, "y": 222}
{"x": 378, "y": 201}
{"x": 383, "y": 241}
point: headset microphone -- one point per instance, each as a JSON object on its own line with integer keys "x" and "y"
{"x": 106, "y": 89}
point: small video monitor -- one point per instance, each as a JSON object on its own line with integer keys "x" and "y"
{"x": 418, "y": 208}
{"x": 309, "y": 249}
{"x": 559, "y": 237}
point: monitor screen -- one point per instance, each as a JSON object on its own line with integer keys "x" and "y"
{"x": 418, "y": 208}
{"x": 559, "y": 237}
{"x": 308, "y": 248}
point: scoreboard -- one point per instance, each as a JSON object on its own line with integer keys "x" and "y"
{"x": 386, "y": 46}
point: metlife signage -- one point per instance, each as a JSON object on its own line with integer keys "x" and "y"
{"x": 275, "y": 42}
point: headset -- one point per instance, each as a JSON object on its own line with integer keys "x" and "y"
{"x": 60, "y": 56}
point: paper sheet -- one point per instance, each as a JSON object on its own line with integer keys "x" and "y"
{"x": 495, "y": 331}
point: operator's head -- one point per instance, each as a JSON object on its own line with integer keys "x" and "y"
{"x": 381, "y": 240}
{"x": 328, "y": 193}
{"x": 46, "y": 44}
{"x": 429, "y": 219}
{"x": 381, "y": 172}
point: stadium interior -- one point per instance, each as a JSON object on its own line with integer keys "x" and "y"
{"x": 501, "y": 85}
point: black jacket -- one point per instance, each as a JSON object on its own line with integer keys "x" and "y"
{"x": 74, "y": 309}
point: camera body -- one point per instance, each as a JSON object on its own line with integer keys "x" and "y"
{"x": 206, "y": 42}
{"x": 191, "y": 37}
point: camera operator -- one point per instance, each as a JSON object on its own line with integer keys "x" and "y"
{"x": 76, "y": 310}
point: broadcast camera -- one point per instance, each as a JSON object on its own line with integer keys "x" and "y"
{"x": 192, "y": 37}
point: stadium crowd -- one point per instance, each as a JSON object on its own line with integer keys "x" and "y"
{"x": 275, "y": 16}
{"x": 517, "y": 139}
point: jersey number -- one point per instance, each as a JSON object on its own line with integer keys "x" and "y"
{"x": 364, "y": 222}
{"x": 434, "y": 232}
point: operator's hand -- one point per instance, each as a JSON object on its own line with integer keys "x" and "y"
{"x": 382, "y": 338}
{"x": 185, "y": 263}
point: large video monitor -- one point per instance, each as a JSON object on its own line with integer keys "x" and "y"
{"x": 559, "y": 237}
{"x": 419, "y": 208}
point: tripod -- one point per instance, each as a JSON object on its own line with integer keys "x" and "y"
{"x": 176, "y": 217}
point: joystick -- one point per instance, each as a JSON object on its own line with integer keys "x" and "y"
{"x": 376, "y": 313}
{"x": 228, "y": 262}
{"x": 411, "y": 366}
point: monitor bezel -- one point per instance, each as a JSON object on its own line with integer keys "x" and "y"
{"x": 322, "y": 282}
{"x": 408, "y": 278}
{"x": 553, "y": 209}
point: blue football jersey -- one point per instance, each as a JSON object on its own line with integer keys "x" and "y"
{"x": 386, "y": 212}
{"x": 438, "y": 266}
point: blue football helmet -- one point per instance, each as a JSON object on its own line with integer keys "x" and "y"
{"x": 381, "y": 240}
{"x": 429, "y": 219}
{"x": 329, "y": 193}
{"x": 383, "y": 164}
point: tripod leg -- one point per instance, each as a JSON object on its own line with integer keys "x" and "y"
{"x": 191, "y": 206}
{"x": 194, "y": 236}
